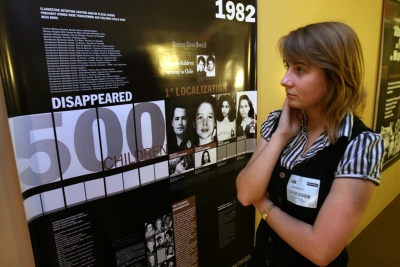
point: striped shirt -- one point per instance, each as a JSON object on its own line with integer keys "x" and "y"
{"x": 362, "y": 158}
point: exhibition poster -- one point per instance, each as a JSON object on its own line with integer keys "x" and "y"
{"x": 387, "y": 112}
{"x": 130, "y": 121}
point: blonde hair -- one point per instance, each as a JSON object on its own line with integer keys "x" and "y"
{"x": 334, "y": 47}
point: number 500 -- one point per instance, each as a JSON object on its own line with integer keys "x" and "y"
{"x": 75, "y": 143}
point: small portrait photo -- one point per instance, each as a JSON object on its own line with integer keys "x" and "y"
{"x": 205, "y": 157}
{"x": 159, "y": 228}
{"x": 170, "y": 251}
{"x": 160, "y": 240}
{"x": 201, "y": 66}
{"x": 179, "y": 129}
{"x": 149, "y": 230}
{"x": 169, "y": 236}
{"x": 167, "y": 221}
{"x": 226, "y": 117}
{"x": 246, "y": 119}
{"x": 210, "y": 66}
{"x": 150, "y": 245}
{"x": 181, "y": 164}
{"x": 152, "y": 260}
{"x": 204, "y": 122}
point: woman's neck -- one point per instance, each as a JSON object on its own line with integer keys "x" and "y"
{"x": 315, "y": 127}
{"x": 246, "y": 120}
{"x": 315, "y": 121}
{"x": 205, "y": 140}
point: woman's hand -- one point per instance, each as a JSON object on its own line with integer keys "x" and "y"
{"x": 252, "y": 182}
{"x": 289, "y": 122}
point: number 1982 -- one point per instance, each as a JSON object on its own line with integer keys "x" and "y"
{"x": 238, "y": 11}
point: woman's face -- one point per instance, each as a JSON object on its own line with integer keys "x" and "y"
{"x": 200, "y": 66}
{"x": 149, "y": 228}
{"x": 205, "y": 121}
{"x": 305, "y": 86}
{"x": 152, "y": 260}
{"x": 167, "y": 220}
{"x": 244, "y": 108}
{"x": 225, "y": 108}
{"x": 210, "y": 65}
{"x": 150, "y": 244}
{"x": 158, "y": 224}
{"x": 206, "y": 157}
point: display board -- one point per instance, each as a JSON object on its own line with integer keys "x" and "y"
{"x": 387, "y": 112}
{"x": 130, "y": 121}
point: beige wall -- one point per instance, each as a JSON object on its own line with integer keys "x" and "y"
{"x": 275, "y": 18}
{"x": 15, "y": 247}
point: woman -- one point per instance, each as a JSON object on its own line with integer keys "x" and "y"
{"x": 205, "y": 158}
{"x": 151, "y": 260}
{"x": 246, "y": 124}
{"x": 149, "y": 230}
{"x": 316, "y": 165}
{"x": 167, "y": 222}
{"x": 150, "y": 245}
{"x": 159, "y": 226}
{"x": 210, "y": 70}
{"x": 170, "y": 252}
{"x": 226, "y": 125}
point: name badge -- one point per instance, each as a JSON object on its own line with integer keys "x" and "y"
{"x": 303, "y": 191}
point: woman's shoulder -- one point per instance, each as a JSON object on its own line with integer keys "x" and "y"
{"x": 274, "y": 114}
{"x": 360, "y": 131}
{"x": 268, "y": 125}
{"x": 368, "y": 138}
{"x": 363, "y": 157}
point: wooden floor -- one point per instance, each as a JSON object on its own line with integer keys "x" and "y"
{"x": 378, "y": 245}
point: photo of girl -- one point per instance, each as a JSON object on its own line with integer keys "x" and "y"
{"x": 226, "y": 118}
{"x": 246, "y": 117}
{"x": 205, "y": 157}
{"x": 204, "y": 120}
{"x": 210, "y": 69}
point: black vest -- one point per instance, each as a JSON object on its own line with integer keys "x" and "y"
{"x": 270, "y": 249}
